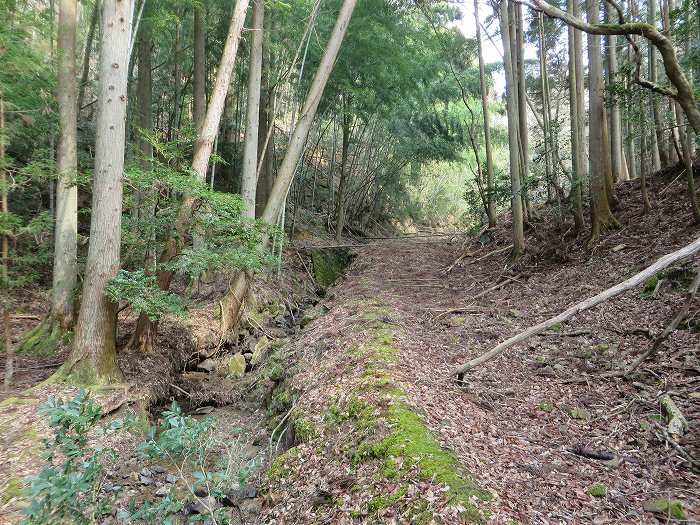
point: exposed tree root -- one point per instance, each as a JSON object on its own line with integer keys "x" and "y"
{"x": 45, "y": 339}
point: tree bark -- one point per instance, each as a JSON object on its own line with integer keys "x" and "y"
{"x": 87, "y": 54}
{"x": 575, "y": 114}
{"x": 490, "y": 208}
{"x": 4, "y": 204}
{"x": 233, "y": 302}
{"x": 200, "y": 56}
{"x": 513, "y": 132}
{"x": 250, "y": 155}
{"x": 65, "y": 265}
{"x": 599, "y": 159}
{"x": 342, "y": 185}
{"x": 94, "y": 356}
{"x": 637, "y": 279}
{"x": 9, "y": 349}
{"x": 657, "y": 150}
{"x": 266, "y": 146}
{"x": 518, "y": 50}
{"x": 619, "y": 171}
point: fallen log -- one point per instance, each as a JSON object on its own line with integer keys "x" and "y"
{"x": 637, "y": 279}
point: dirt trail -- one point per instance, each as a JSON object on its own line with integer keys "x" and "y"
{"x": 515, "y": 420}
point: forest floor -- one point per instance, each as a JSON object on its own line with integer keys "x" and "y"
{"x": 378, "y": 431}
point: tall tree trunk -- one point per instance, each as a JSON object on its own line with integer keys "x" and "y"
{"x": 342, "y": 186}
{"x": 576, "y": 117}
{"x": 599, "y": 156}
{"x": 199, "y": 81}
{"x": 619, "y": 169}
{"x": 266, "y": 146}
{"x": 513, "y": 132}
{"x": 249, "y": 180}
{"x": 4, "y": 203}
{"x": 87, "y": 53}
{"x": 518, "y": 50}
{"x": 94, "y": 355}
{"x": 65, "y": 266}
{"x": 659, "y": 155}
{"x": 144, "y": 93}
{"x": 233, "y": 302}
{"x": 546, "y": 116}
{"x": 490, "y": 208}
{"x": 146, "y": 329}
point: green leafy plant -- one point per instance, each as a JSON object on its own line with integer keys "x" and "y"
{"x": 141, "y": 292}
{"x": 68, "y": 487}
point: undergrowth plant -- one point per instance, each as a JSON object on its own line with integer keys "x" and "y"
{"x": 67, "y": 489}
{"x": 70, "y": 486}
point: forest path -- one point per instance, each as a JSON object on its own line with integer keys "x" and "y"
{"x": 514, "y": 420}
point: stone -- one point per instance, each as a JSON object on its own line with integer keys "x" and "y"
{"x": 239, "y": 493}
{"x": 208, "y": 365}
{"x": 251, "y": 508}
{"x": 171, "y": 479}
{"x": 146, "y": 480}
{"x": 162, "y": 491}
{"x": 158, "y": 469}
{"x": 248, "y": 357}
{"x": 146, "y": 472}
{"x": 234, "y": 366}
{"x": 261, "y": 347}
{"x": 312, "y": 314}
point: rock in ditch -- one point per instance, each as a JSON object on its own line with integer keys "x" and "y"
{"x": 234, "y": 366}
{"x": 208, "y": 365}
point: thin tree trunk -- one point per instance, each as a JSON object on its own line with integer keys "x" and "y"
{"x": 233, "y": 302}
{"x": 65, "y": 266}
{"x": 87, "y": 54}
{"x": 599, "y": 160}
{"x": 342, "y": 186}
{"x": 619, "y": 171}
{"x": 518, "y": 50}
{"x": 577, "y": 155}
{"x": 94, "y": 355}
{"x": 199, "y": 81}
{"x": 490, "y": 208}
{"x": 4, "y": 204}
{"x": 658, "y": 153}
{"x": 249, "y": 180}
{"x": 513, "y": 131}
{"x": 545, "y": 105}
{"x": 9, "y": 349}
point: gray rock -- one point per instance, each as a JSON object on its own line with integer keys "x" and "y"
{"x": 248, "y": 356}
{"x": 146, "y": 480}
{"x": 208, "y": 365}
{"x": 171, "y": 479}
{"x": 162, "y": 491}
{"x": 146, "y": 472}
{"x": 158, "y": 469}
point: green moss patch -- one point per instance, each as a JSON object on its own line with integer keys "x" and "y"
{"x": 329, "y": 264}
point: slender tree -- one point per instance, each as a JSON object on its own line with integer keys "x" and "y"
{"x": 250, "y": 154}
{"x": 65, "y": 267}
{"x": 490, "y": 207}
{"x": 199, "y": 96}
{"x": 576, "y": 109}
{"x": 599, "y": 157}
{"x": 513, "y": 131}
{"x": 94, "y": 357}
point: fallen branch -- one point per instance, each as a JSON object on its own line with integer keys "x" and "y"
{"x": 692, "y": 291}
{"x": 663, "y": 263}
